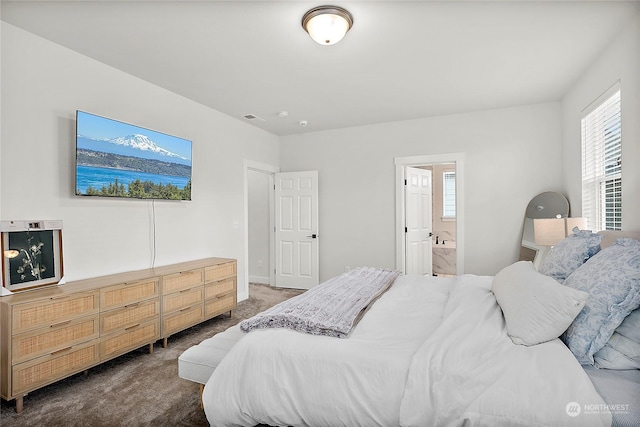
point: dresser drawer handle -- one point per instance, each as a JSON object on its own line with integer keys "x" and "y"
{"x": 131, "y": 327}
{"x": 62, "y": 350}
{"x": 55, "y": 325}
{"x": 186, "y": 308}
{"x": 58, "y": 297}
{"x": 132, "y": 305}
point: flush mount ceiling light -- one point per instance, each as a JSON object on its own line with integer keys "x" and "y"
{"x": 327, "y": 25}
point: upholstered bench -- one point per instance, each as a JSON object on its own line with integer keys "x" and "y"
{"x": 198, "y": 362}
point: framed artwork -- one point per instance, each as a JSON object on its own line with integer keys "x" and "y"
{"x": 31, "y": 256}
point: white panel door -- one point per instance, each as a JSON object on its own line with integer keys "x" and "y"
{"x": 296, "y": 206}
{"x": 418, "y": 221}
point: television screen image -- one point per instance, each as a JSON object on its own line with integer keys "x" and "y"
{"x": 116, "y": 159}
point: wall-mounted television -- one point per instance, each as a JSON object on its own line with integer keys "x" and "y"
{"x": 117, "y": 159}
{"x": 31, "y": 254}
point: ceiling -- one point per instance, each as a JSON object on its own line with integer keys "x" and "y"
{"x": 401, "y": 60}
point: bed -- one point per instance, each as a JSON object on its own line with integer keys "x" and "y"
{"x": 464, "y": 351}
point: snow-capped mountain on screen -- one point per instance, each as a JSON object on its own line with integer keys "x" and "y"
{"x": 136, "y": 145}
{"x": 142, "y": 142}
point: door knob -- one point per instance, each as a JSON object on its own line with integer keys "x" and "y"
{"x": 313, "y": 236}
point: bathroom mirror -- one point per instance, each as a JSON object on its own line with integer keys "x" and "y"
{"x": 545, "y": 205}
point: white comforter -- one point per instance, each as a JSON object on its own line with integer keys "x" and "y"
{"x": 429, "y": 352}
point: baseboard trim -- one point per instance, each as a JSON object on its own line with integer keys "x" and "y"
{"x": 259, "y": 279}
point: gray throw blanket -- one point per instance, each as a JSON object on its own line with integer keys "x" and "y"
{"x": 331, "y": 308}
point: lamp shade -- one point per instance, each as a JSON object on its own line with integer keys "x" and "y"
{"x": 549, "y": 231}
{"x": 327, "y": 25}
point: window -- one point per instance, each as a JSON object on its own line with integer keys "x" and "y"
{"x": 449, "y": 195}
{"x": 602, "y": 163}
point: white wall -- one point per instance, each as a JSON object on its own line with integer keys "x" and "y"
{"x": 511, "y": 155}
{"x": 1, "y": 26}
{"x": 42, "y": 86}
{"x": 620, "y": 61}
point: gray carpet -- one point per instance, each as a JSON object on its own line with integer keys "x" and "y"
{"x": 136, "y": 389}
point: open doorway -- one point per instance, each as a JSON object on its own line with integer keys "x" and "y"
{"x": 259, "y": 263}
{"x": 280, "y": 228}
{"x": 447, "y": 255}
{"x": 259, "y": 184}
{"x": 443, "y": 203}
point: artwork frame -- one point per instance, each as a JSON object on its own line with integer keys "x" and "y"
{"x": 32, "y": 254}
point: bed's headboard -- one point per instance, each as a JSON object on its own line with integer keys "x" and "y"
{"x": 610, "y": 236}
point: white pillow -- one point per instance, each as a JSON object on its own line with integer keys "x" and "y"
{"x": 536, "y": 307}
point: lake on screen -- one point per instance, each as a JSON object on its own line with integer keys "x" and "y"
{"x": 98, "y": 177}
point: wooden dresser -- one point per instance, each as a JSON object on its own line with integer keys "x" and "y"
{"x": 191, "y": 296}
{"x": 50, "y": 333}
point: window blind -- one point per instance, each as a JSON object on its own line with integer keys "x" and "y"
{"x": 602, "y": 163}
{"x": 449, "y": 194}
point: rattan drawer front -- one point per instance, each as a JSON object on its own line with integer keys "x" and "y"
{"x": 182, "y": 299}
{"x": 220, "y": 271}
{"x": 212, "y": 290}
{"x": 47, "y": 369}
{"x": 45, "y": 313}
{"x": 219, "y": 305}
{"x": 128, "y": 293}
{"x": 56, "y": 337}
{"x": 183, "y": 280}
{"x": 182, "y": 319}
{"x": 134, "y": 337}
{"x": 129, "y": 315}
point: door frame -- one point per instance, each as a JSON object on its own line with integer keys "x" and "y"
{"x": 271, "y": 170}
{"x": 429, "y": 159}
